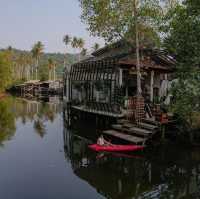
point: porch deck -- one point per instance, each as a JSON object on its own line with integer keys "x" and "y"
{"x": 98, "y": 112}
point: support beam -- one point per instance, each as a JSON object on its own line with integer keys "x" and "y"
{"x": 151, "y": 85}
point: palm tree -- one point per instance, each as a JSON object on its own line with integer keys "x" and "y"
{"x": 96, "y": 47}
{"x": 80, "y": 43}
{"x": 22, "y": 66}
{"x": 84, "y": 52}
{"x": 77, "y": 43}
{"x": 54, "y": 71}
{"x": 74, "y": 44}
{"x": 28, "y": 65}
{"x": 36, "y": 51}
{"x": 50, "y": 66}
{"x": 66, "y": 40}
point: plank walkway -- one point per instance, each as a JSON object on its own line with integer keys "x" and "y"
{"x": 148, "y": 126}
{"x": 130, "y": 138}
{"x": 133, "y": 130}
{"x": 150, "y": 121}
{"x": 135, "y": 133}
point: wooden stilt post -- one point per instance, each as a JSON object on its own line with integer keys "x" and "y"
{"x": 151, "y": 85}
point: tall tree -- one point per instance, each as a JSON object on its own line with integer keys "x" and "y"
{"x": 67, "y": 41}
{"x": 131, "y": 20}
{"x": 84, "y": 52}
{"x": 80, "y": 45}
{"x": 183, "y": 42}
{"x": 50, "y": 66}
{"x": 77, "y": 43}
{"x": 5, "y": 71}
{"x": 37, "y": 51}
{"x": 96, "y": 47}
{"x": 74, "y": 42}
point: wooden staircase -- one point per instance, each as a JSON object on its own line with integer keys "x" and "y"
{"x": 135, "y": 133}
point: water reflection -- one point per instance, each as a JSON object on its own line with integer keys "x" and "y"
{"x": 7, "y": 121}
{"x": 38, "y": 113}
{"x": 165, "y": 172}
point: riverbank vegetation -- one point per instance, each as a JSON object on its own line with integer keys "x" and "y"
{"x": 7, "y": 120}
{"x": 183, "y": 41}
{"x": 19, "y": 66}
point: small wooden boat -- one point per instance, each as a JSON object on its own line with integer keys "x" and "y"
{"x": 111, "y": 148}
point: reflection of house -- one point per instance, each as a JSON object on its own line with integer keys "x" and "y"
{"x": 168, "y": 173}
{"x": 103, "y": 82}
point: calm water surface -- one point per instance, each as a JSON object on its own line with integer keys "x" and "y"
{"x": 41, "y": 158}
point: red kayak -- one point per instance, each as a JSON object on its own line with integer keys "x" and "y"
{"x": 111, "y": 148}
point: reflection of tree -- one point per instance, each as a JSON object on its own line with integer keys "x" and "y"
{"x": 28, "y": 110}
{"x": 40, "y": 127}
{"x": 36, "y": 112}
{"x": 7, "y": 120}
{"x": 47, "y": 112}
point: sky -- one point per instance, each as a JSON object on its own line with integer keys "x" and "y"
{"x": 24, "y": 22}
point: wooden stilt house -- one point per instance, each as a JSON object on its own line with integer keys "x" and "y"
{"x": 105, "y": 83}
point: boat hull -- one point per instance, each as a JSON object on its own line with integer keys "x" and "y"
{"x": 112, "y": 148}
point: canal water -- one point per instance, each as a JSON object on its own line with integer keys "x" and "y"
{"x": 41, "y": 158}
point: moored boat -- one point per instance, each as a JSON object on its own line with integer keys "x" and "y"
{"x": 111, "y": 148}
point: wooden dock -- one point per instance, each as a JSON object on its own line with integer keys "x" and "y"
{"x": 133, "y": 130}
{"x": 126, "y": 137}
{"x": 137, "y": 134}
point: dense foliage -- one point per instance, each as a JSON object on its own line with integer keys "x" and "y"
{"x": 17, "y": 65}
{"x": 115, "y": 20}
{"x": 183, "y": 42}
{"x": 172, "y": 23}
{"x": 7, "y": 120}
{"x": 5, "y": 70}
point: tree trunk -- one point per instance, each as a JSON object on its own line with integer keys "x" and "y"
{"x": 139, "y": 90}
{"x": 54, "y": 73}
{"x": 49, "y": 73}
{"x": 36, "y": 70}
